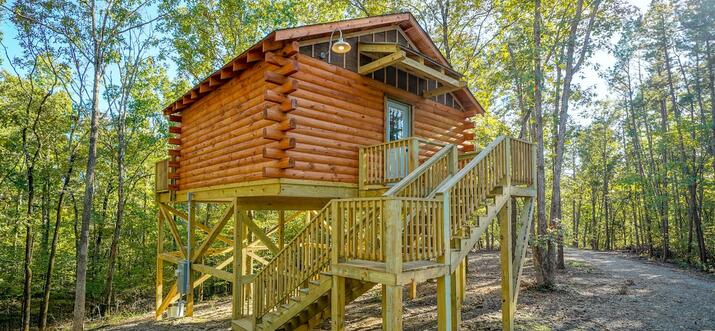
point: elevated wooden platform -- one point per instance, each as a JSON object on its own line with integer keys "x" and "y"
{"x": 385, "y": 230}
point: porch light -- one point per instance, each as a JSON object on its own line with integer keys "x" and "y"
{"x": 340, "y": 47}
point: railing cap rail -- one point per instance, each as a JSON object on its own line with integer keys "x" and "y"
{"x": 449, "y": 183}
{"x": 412, "y": 176}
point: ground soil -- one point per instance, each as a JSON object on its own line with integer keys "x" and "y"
{"x": 597, "y": 291}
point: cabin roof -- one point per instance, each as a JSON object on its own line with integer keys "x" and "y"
{"x": 406, "y": 21}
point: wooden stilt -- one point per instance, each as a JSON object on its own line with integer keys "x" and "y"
{"x": 337, "y": 304}
{"x": 192, "y": 245}
{"x": 159, "y": 264}
{"x": 413, "y": 290}
{"x": 237, "y": 286}
{"x": 506, "y": 254}
{"x": 392, "y": 316}
{"x": 444, "y": 308}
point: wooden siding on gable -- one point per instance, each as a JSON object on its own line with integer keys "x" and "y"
{"x": 390, "y": 75}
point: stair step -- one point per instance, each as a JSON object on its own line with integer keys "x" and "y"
{"x": 304, "y": 290}
{"x": 314, "y": 283}
{"x": 296, "y": 299}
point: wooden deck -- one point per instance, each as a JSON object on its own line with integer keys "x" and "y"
{"x": 420, "y": 227}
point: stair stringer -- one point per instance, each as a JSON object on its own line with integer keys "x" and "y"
{"x": 466, "y": 245}
{"x": 295, "y": 308}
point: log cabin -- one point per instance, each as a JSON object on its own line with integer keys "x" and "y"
{"x": 363, "y": 126}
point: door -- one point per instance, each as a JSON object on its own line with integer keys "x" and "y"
{"x": 398, "y": 126}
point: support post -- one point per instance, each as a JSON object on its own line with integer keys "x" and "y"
{"x": 392, "y": 294}
{"x": 337, "y": 304}
{"x": 237, "y": 286}
{"x": 159, "y": 264}
{"x": 392, "y": 313}
{"x": 189, "y": 251}
{"x": 505, "y": 248}
{"x": 444, "y": 286}
{"x": 413, "y": 290}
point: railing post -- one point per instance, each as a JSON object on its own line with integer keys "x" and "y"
{"x": 392, "y": 216}
{"x": 392, "y": 294}
{"x": 507, "y": 163}
{"x": 336, "y": 233}
{"x": 414, "y": 149}
{"x": 362, "y": 169}
{"x": 444, "y": 283}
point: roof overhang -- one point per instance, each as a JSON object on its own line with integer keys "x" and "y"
{"x": 286, "y": 40}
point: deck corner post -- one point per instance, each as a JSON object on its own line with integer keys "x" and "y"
{"x": 362, "y": 169}
{"x": 507, "y": 163}
{"x": 337, "y": 304}
{"x": 191, "y": 242}
{"x": 159, "y": 264}
{"x": 237, "y": 286}
{"x": 506, "y": 254}
{"x": 444, "y": 283}
{"x": 393, "y": 233}
{"x": 336, "y": 233}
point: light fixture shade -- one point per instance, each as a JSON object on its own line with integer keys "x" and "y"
{"x": 341, "y": 46}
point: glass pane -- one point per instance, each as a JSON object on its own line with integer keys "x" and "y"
{"x": 398, "y": 121}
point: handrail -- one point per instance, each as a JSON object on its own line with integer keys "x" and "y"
{"x": 447, "y": 185}
{"x": 298, "y": 261}
{"x": 415, "y": 175}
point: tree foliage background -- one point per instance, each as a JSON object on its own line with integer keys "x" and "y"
{"x": 634, "y": 170}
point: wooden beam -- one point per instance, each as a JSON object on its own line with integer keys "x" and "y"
{"x": 429, "y": 72}
{"x": 442, "y": 90}
{"x": 261, "y": 235}
{"x": 159, "y": 262}
{"x": 172, "y": 228}
{"x": 382, "y": 62}
{"x": 218, "y": 273}
{"x": 213, "y": 234}
{"x": 378, "y": 47}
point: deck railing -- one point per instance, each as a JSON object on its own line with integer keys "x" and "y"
{"x": 521, "y": 161}
{"x": 467, "y": 191}
{"x": 161, "y": 176}
{"x": 367, "y": 226}
{"x": 390, "y": 162}
{"x": 421, "y": 182}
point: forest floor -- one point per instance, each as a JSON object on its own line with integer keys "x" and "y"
{"x": 597, "y": 291}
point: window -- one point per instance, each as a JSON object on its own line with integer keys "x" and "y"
{"x": 398, "y": 120}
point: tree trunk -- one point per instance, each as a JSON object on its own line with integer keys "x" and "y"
{"x": 44, "y": 308}
{"x": 543, "y": 254}
{"x": 81, "y": 282}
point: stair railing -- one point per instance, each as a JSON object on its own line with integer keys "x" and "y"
{"x": 466, "y": 191}
{"x": 421, "y": 182}
{"x": 390, "y": 162}
{"x": 302, "y": 259}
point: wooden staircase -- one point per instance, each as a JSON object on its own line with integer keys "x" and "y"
{"x": 423, "y": 227}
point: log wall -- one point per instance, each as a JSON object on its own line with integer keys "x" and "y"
{"x": 293, "y": 116}
{"x": 221, "y": 138}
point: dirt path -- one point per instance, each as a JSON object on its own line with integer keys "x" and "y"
{"x": 598, "y": 291}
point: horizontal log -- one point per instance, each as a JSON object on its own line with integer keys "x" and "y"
{"x": 273, "y": 133}
{"x": 175, "y": 129}
{"x": 175, "y": 118}
{"x": 274, "y": 153}
{"x": 174, "y": 141}
{"x": 274, "y": 77}
{"x": 288, "y": 87}
{"x": 274, "y": 96}
{"x": 273, "y": 114}
{"x": 174, "y": 152}
{"x": 290, "y": 49}
{"x": 254, "y": 55}
{"x": 286, "y": 143}
{"x": 324, "y": 159}
{"x": 271, "y": 45}
{"x": 274, "y": 59}
{"x": 287, "y": 125}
